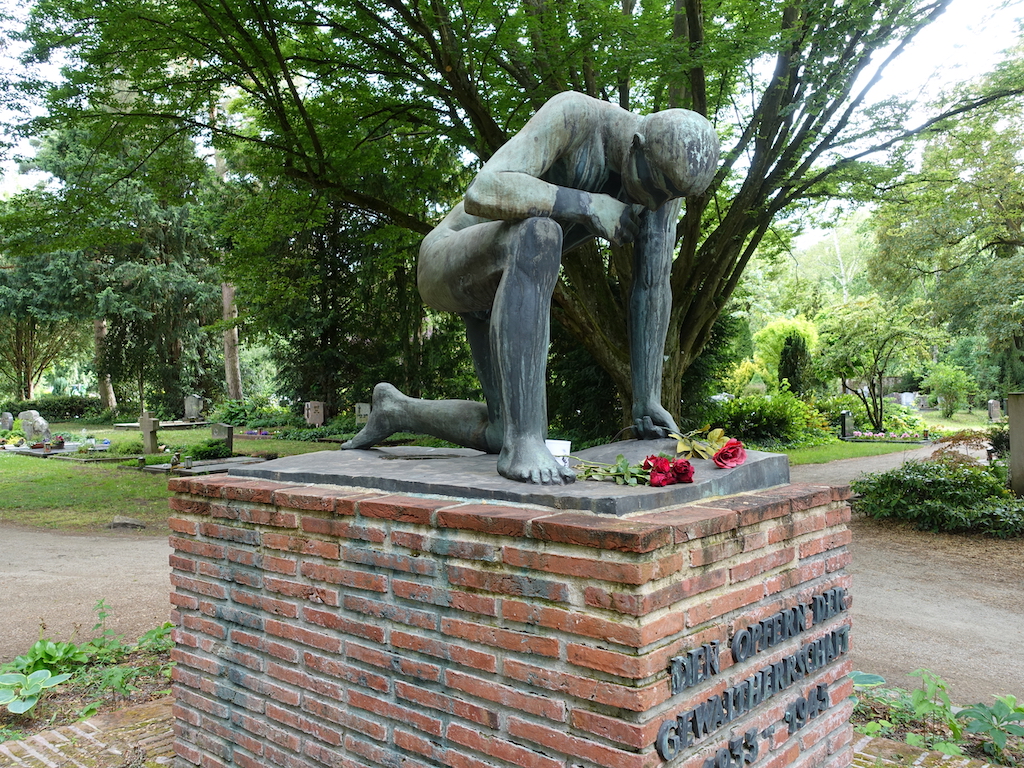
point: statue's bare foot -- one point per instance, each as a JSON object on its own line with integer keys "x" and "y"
{"x": 529, "y": 461}
{"x": 384, "y": 421}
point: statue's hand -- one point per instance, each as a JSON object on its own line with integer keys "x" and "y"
{"x": 652, "y": 423}
{"x": 612, "y": 220}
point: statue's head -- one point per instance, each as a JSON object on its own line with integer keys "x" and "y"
{"x": 674, "y": 154}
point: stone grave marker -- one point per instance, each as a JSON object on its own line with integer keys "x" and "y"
{"x": 846, "y": 424}
{"x": 149, "y": 425}
{"x": 6, "y": 420}
{"x": 314, "y": 413}
{"x": 193, "y": 408}
{"x": 362, "y": 413}
{"x": 35, "y": 427}
{"x": 995, "y": 413}
{"x": 225, "y": 432}
{"x": 1015, "y": 412}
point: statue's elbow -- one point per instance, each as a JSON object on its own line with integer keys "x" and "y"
{"x": 480, "y": 198}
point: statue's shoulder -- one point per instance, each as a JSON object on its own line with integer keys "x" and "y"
{"x": 573, "y": 103}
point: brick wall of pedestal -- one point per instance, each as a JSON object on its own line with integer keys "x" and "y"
{"x": 328, "y": 626}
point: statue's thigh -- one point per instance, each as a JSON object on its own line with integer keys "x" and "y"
{"x": 459, "y": 270}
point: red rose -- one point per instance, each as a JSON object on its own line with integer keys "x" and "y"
{"x": 658, "y": 464}
{"x": 730, "y": 455}
{"x": 659, "y": 479}
{"x": 683, "y": 471}
{"x": 661, "y": 471}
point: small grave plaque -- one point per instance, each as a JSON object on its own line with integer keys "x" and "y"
{"x": 314, "y": 413}
{"x": 362, "y": 413}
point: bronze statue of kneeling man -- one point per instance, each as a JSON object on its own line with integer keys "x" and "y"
{"x": 580, "y": 168}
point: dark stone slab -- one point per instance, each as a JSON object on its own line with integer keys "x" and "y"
{"x": 469, "y": 474}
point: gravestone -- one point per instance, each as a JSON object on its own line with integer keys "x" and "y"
{"x": 35, "y": 427}
{"x": 846, "y": 424}
{"x": 149, "y": 425}
{"x": 225, "y": 432}
{"x": 6, "y": 420}
{"x": 314, "y": 413}
{"x": 995, "y": 413}
{"x": 362, "y": 413}
{"x": 193, "y": 408}
{"x": 908, "y": 399}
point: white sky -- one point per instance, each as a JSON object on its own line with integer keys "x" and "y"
{"x": 964, "y": 43}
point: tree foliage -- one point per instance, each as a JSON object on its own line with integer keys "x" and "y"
{"x": 865, "y": 341}
{"x": 372, "y": 106}
{"x": 952, "y": 234}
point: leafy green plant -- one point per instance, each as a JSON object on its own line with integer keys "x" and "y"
{"x": 107, "y": 645}
{"x": 48, "y": 654}
{"x": 780, "y": 418}
{"x": 20, "y": 693}
{"x": 1003, "y": 719}
{"x": 932, "y": 702}
{"x": 942, "y": 496}
{"x": 211, "y": 449}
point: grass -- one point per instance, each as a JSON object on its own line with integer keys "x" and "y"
{"x": 822, "y": 454}
{"x": 44, "y": 493}
{"x": 977, "y": 419}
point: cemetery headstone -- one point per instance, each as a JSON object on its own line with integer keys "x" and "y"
{"x": 314, "y": 413}
{"x": 225, "y": 432}
{"x": 846, "y": 424}
{"x": 908, "y": 399}
{"x": 362, "y": 413}
{"x": 995, "y": 413}
{"x": 6, "y": 420}
{"x": 35, "y": 427}
{"x": 149, "y": 425}
{"x": 193, "y": 408}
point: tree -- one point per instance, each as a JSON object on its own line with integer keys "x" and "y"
{"x": 795, "y": 364}
{"x": 864, "y": 341}
{"x": 357, "y": 101}
{"x": 36, "y": 326}
{"x": 133, "y": 261}
{"x": 953, "y": 386}
{"x": 953, "y": 234}
{"x": 770, "y": 341}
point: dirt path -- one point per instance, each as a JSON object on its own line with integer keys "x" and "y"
{"x": 951, "y": 604}
{"x": 54, "y": 580}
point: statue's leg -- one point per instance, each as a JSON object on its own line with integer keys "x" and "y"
{"x": 462, "y": 422}
{"x": 519, "y": 335}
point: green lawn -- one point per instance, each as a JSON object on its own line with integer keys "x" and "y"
{"x": 977, "y": 419}
{"x": 47, "y": 493}
{"x": 823, "y": 454}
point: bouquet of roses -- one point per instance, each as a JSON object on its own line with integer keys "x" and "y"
{"x": 662, "y": 470}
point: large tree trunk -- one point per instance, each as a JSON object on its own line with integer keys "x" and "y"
{"x": 106, "y": 390}
{"x": 232, "y": 366}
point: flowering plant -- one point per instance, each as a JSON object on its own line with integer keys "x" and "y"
{"x": 658, "y": 471}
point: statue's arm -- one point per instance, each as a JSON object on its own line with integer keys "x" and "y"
{"x": 650, "y": 304}
{"x": 510, "y": 186}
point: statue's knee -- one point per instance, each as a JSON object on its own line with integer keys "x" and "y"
{"x": 536, "y": 244}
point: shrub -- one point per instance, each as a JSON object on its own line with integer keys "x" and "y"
{"x": 899, "y": 418}
{"x": 211, "y": 449}
{"x": 768, "y": 419}
{"x": 942, "y": 496}
{"x": 832, "y": 406}
{"x": 56, "y": 407}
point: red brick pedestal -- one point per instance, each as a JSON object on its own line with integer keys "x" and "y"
{"x": 329, "y": 626}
